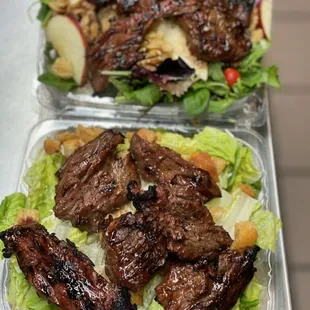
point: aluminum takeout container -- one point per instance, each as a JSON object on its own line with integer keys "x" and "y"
{"x": 272, "y": 268}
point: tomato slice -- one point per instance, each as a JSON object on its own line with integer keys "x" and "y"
{"x": 232, "y": 76}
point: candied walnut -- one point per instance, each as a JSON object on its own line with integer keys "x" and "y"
{"x": 85, "y": 13}
{"x": 245, "y": 235}
{"x": 27, "y": 215}
{"x": 87, "y": 134}
{"x": 70, "y": 146}
{"x": 59, "y": 6}
{"x": 247, "y": 189}
{"x": 51, "y": 146}
{"x": 204, "y": 161}
{"x": 106, "y": 15}
{"x": 62, "y": 67}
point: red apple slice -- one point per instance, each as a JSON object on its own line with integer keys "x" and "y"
{"x": 265, "y": 17}
{"x": 66, "y": 36}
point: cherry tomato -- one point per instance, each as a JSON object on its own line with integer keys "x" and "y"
{"x": 232, "y": 76}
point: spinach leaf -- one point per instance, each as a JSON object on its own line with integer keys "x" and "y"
{"x": 50, "y": 79}
{"x": 216, "y": 72}
{"x": 148, "y": 95}
{"x": 195, "y": 102}
{"x": 218, "y": 88}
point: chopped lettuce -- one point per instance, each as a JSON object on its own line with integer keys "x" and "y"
{"x": 149, "y": 293}
{"x": 217, "y": 143}
{"x": 267, "y": 226}
{"x": 178, "y": 143}
{"x": 224, "y": 201}
{"x": 21, "y": 294}
{"x": 155, "y": 306}
{"x": 249, "y": 299}
{"x": 244, "y": 208}
{"x": 247, "y": 172}
{"x": 41, "y": 181}
{"x": 9, "y": 208}
{"x": 78, "y": 237}
{"x": 240, "y": 210}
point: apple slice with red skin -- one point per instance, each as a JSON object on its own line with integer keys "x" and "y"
{"x": 265, "y": 17}
{"x": 66, "y": 37}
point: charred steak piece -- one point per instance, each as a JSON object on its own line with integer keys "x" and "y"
{"x": 157, "y": 163}
{"x": 86, "y": 160}
{"x": 134, "y": 251}
{"x": 59, "y": 272}
{"x": 216, "y": 35}
{"x": 216, "y": 31}
{"x": 188, "y": 226}
{"x": 203, "y": 286}
{"x": 101, "y": 187}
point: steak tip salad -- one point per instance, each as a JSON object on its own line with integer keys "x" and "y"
{"x": 205, "y": 54}
{"x": 146, "y": 220}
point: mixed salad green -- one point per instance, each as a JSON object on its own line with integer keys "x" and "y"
{"x": 41, "y": 180}
{"x": 214, "y": 93}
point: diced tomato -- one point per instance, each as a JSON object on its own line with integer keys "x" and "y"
{"x": 232, "y": 76}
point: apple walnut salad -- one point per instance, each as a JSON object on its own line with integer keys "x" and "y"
{"x": 205, "y": 54}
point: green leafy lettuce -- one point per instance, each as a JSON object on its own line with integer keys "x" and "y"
{"x": 21, "y": 294}
{"x": 147, "y": 95}
{"x": 149, "y": 294}
{"x": 239, "y": 207}
{"x": 41, "y": 181}
{"x": 9, "y": 208}
{"x": 267, "y": 226}
{"x": 62, "y": 85}
{"x": 249, "y": 299}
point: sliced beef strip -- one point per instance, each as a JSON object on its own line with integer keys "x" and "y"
{"x": 59, "y": 272}
{"x": 157, "y": 163}
{"x": 86, "y": 160}
{"x": 213, "y": 285}
{"x": 188, "y": 226}
{"x": 134, "y": 251}
{"x": 90, "y": 201}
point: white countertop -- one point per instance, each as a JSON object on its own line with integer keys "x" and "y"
{"x": 18, "y": 54}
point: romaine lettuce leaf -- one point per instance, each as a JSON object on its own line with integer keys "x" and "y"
{"x": 178, "y": 143}
{"x": 249, "y": 299}
{"x": 41, "y": 181}
{"x": 267, "y": 226}
{"x": 244, "y": 170}
{"x": 155, "y": 306}
{"x": 240, "y": 210}
{"x": 9, "y": 208}
{"x": 78, "y": 237}
{"x": 217, "y": 143}
{"x": 21, "y": 294}
{"x": 149, "y": 293}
